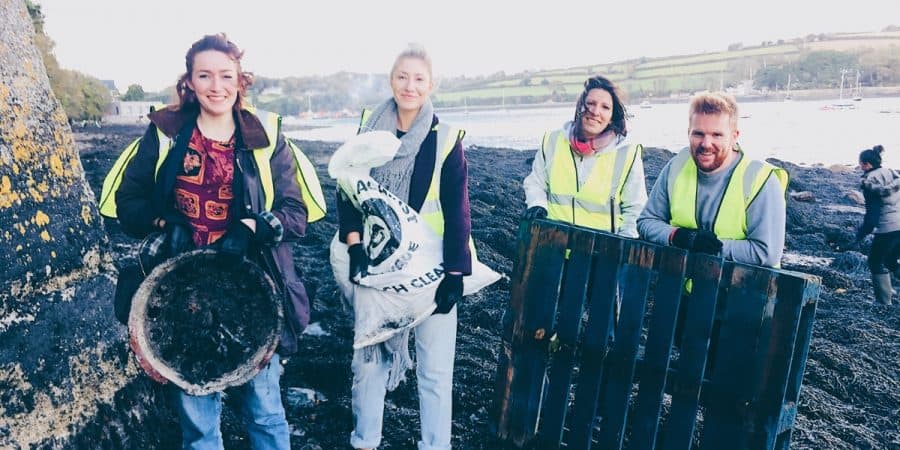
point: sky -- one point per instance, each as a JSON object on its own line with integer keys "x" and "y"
{"x": 144, "y": 42}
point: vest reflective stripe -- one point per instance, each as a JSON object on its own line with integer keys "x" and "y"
{"x": 165, "y": 144}
{"x": 746, "y": 182}
{"x": 591, "y": 204}
{"x": 313, "y": 197}
{"x": 263, "y": 156}
{"x": 307, "y": 178}
{"x": 447, "y": 137}
{"x": 363, "y": 119}
{"x": 114, "y": 177}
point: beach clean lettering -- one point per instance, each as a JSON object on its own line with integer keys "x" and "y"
{"x": 370, "y": 184}
{"x": 419, "y": 282}
{"x": 403, "y": 259}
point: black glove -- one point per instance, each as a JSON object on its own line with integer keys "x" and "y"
{"x": 707, "y": 242}
{"x": 359, "y": 260}
{"x": 448, "y": 293}
{"x": 697, "y": 241}
{"x": 179, "y": 238}
{"x": 130, "y": 278}
{"x": 534, "y": 213}
{"x": 233, "y": 245}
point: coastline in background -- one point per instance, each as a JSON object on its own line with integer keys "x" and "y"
{"x": 802, "y": 132}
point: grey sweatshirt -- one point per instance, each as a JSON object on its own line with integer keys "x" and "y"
{"x": 765, "y": 217}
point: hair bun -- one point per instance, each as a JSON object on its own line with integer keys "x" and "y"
{"x": 878, "y": 148}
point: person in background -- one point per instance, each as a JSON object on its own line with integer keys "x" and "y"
{"x": 881, "y": 189}
{"x": 429, "y": 173}
{"x": 208, "y": 190}
{"x": 586, "y": 173}
{"x": 711, "y": 198}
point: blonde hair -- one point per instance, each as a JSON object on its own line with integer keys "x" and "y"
{"x": 417, "y": 51}
{"x": 714, "y": 103}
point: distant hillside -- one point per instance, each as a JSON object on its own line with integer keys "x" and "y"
{"x": 812, "y": 62}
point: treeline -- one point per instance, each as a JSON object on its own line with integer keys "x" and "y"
{"x": 809, "y": 69}
{"x": 336, "y": 92}
{"x": 823, "y": 69}
{"x": 82, "y": 97}
{"x": 770, "y": 65}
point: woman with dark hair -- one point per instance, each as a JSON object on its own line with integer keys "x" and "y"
{"x": 881, "y": 189}
{"x": 211, "y": 172}
{"x": 586, "y": 173}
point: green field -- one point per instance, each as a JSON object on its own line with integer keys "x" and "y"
{"x": 675, "y": 75}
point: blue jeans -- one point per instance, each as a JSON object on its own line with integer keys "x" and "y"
{"x": 261, "y": 408}
{"x": 435, "y": 351}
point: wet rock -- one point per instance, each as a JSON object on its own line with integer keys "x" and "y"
{"x": 856, "y": 197}
{"x": 303, "y": 397}
{"x": 62, "y": 360}
{"x": 840, "y": 169}
{"x": 848, "y": 399}
{"x": 49, "y": 220}
{"x": 804, "y": 196}
{"x": 851, "y": 263}
{"x": 315, "y": 329}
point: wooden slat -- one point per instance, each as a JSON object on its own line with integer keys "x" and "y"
{"x": 602, "y": 296}
{"x": 775, "y": 356}
{"x": 533, "y": 297}
{"x": 798, "y": 363}
{"x": 566, "y": 331}
{"x": 746, "y": 321}
{"x": 636, "y": 272}
{"x": 500, "y": 406}
{"x": 742, "y": 353}
{"x": 661, "y": 329}
{"x": 705, "y": 272}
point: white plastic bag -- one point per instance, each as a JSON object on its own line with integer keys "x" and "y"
{"x": 397, "y": 290}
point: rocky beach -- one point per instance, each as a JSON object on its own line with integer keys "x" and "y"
{"x": 850, "y": 397}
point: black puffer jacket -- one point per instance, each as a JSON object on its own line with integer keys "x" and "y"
{"x": 143, "y": 196}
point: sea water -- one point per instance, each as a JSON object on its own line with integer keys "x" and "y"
{"x": 803, "y": 132}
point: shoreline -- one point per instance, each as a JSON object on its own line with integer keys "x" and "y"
{"x": 778, "y": 96}
{"x": 848, "y": 396}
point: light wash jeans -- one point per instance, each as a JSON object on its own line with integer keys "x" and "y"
{"x": 435, "y": 351}
{"x": 261, "y": 408}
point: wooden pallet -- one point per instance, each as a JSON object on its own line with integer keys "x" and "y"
{"x": 717, "y": 367}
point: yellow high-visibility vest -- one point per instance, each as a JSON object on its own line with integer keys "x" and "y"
{"x": 599, "y": 198}
{"x": 447, "y": 137}
{"x": 746, "y": 182}
{"x": 307, "y": 178}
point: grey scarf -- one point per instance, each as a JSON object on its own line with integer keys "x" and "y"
{"x": 396, "y": 174}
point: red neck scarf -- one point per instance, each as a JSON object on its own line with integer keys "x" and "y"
{"x": 592, "y": 145}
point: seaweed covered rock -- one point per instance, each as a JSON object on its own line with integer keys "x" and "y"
{"x": 62, "y": 360}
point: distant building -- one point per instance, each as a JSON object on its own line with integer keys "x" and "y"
{"x": 128, "y": 112}
{"x": 111, "y": 86}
